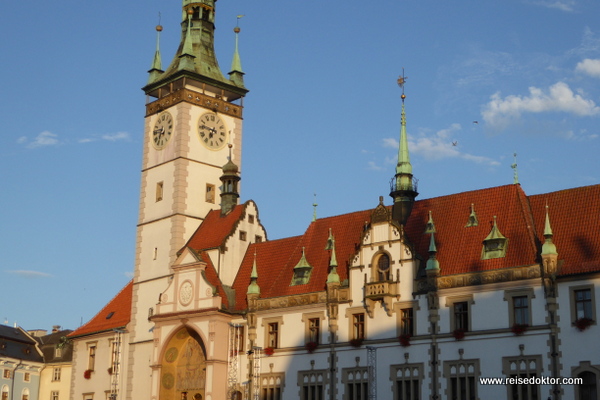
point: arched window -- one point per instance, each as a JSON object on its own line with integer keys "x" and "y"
{"x": 588, "y": 388}
{"x": 383, "y": 267}
{"x": 5, "y": 392}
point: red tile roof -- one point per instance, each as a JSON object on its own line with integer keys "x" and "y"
{"x": 215, "y": 228}
{"x": 116, "y": 314}
{"x": 459, "y": 247}
{"x": 575, "y": 220}
{"x": 213, "y": 278}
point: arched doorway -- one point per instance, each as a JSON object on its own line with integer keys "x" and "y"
{"x": 183, "y": 372}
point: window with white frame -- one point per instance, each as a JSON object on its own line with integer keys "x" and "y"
{"x": 312, "y": 384}
{"x": 271, "y": 386}
{"x": 26, "y": 377}
{"x": 461, "y": 377}
{"x": 583, "y": 302}
{"x": 56, "y": 374}
{"x": 5, "y": 392}
{"x": 358, "y": 326}
{"x": 407, "y": 380}
{"x": 91, "y": 356}
{"x": 356, "y": 383}
{"x": 272, "y": 329}
{"x": 6, "y": 374}
{"x": 57, "y": 352}
{"x": 25, "y": 394}
{"x": 522, "y": 367}
{"x": 54, "y": 395}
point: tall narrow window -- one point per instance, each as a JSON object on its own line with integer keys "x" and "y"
{"x": 271, "y": 386}
{"x": 588, "y": 389}
{"x": 312, "y": 384}
{"x": 273, "y": 339}
{"x": 358, "y": 321}
{"x": 210, "y": 193}
{"x": 407, "y": 381}
{"x": 461, "y": 316}
{"x": 583, "y": 303}
{"x": 56, "y": 374}
{"x": 522, "y": 367}
{"x": 159, "y": 191}
{"x": 54, "y": 395}
{"x": 314, "y": 330}
{"x": 461, "y": 376}
{"x": 356, "y": 382}
{"x": 383, "y": 267}
{"x": 406, "y": 322}
{"x": 521, "y": 310}
{"x": 91, "y": 357}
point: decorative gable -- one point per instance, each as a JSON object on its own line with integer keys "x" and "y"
{"x": 302, "y": 271}
{"x": 494, "y": 245}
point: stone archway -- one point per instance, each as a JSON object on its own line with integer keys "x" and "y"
{"x": 183, "y": 367}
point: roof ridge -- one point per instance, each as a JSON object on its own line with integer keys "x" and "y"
{"x": 528, "y": 216}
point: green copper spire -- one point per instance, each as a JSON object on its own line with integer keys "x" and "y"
{"x": 156, "y": 68}
{"x": 187, "y": 55}
{"x": 315, "y": 209}
{"x": 237, "y": 74}
{"x": 253, "y": 287}
{"x": 333, "y": 276}
{"x": 430, "y": 225}
{"x": 548, "y": 247}
{"x": 432, "y": 263}
{"x": 403, "y": 188}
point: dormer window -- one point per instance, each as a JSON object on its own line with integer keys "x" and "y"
{"x": 495, "y": 244}
{"x": 302, "y": 271}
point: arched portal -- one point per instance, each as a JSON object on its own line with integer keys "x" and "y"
{"x": 183, "y": 372}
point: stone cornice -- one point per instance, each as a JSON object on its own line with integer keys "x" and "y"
{"x": 192, "y": 97}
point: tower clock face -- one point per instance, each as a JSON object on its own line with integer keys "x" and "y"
{"x": 212, "y": 131}
{"x": 162, "y": 131}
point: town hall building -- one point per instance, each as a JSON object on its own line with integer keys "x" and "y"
{"x": 420, "y": 299}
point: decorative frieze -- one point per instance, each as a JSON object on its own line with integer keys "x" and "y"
{"x": 300, "y": 300}
{"x": 196, "y": 98}
{"x": 484, "y": 277}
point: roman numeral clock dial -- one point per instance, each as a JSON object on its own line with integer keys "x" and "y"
{"x": 162, "y": 131}
{"x": 212, "y": 131}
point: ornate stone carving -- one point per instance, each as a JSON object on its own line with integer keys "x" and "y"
{"x": 196, "y": 98}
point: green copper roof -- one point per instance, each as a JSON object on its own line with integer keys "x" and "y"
{"x": 333, "y": 276}
{"x": 548, "y": 247}
{"x": 404, "y": 166}
{"x": 472, "y": 218}
{"x": 302, "y": 271}
{"x": 495, "y": 244}
{"x": 432, "y": 262}
{"x": 156, "y": 68}
{"x": 430, "y": 225}
{"x": 195, "y": 56}
{"x": 253, "y": 287}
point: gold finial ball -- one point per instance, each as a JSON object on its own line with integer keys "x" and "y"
{"x": 403, "y": 96}
{"x": 159, "y": 28}
{"x": 237, "y": 29}
{"x": 230, "y": 145}
{"x": 190, "y": 11}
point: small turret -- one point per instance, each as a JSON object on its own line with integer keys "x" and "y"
{"x": 236, "y": 75}
{"x": 549, "y": 253}
{"x": 230, "y": 180}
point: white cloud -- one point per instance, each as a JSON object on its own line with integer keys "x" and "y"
{"x": 29, "y": 274}
{"x": 563, "y": 5}
{"x": 440, "y": 146}
{"x": 589, "y": 67}
{"x": 371, "y": 165}
{"x": 113, "y": 137}
{"x": 43, "y": 139}
{"x": 129, "y": 274}
{"x": 500, "y": 112}
{"x": 22, "y": 139}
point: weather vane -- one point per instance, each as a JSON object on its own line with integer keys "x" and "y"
{"x": 401, "y": 81}
{"x": 514, "y": 167}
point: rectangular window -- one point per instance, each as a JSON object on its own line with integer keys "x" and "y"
{"x": 210, "y": 193}
{"x": 91, "y": 357}
{"x": 356, "y": 383}
{"x": 583, "y": 303}
{"x": 57, "y": 352}
{"x": 273, "y": 335}
{"x": 271, "y": 386}
{"x": 54, "y": 395}
{"x": 239, "y": 337}
{"x": 251, "y": 218}
{"x": 26, "y": 377}
{"x": 159, "y": 191}
{"x": 4, "y": 395}
{"x": 243, "y": 236}
{"x": 56, "y": 374}
{"x": 522, "y": 367}
{"x": 257, "y": 239}
{"x": 461, "y": 316}
{"x": 312, "y": 384}
{"x": 521, "y": 310}
{"x": 358, "y": 324}
{"x": 6, "y": 374}
{"x": 407, "y": 322}
{"x": 407, "y": 381}
{"x": 314, "y": 330}
{"x": 462, "y": 378}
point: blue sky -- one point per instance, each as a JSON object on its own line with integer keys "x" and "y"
{"x": 322, "y": 116}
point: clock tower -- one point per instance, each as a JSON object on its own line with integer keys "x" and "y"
{"x": 193, "y": 112}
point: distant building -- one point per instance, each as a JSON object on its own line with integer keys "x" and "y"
{"x": 57, "y": 350}
{"x": 21, "y": 363}
{"x": 417, "y": 300}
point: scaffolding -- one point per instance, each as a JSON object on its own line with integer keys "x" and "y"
{"x": 372, "y": 367}
{"x": 257, "y": 355}
{"x": 115, "y": 368}
{"x": 233, "y": 359}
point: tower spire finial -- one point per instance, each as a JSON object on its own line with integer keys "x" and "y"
{"x": 237, "y": 74}
{"x": 315, "y": 208}
{"x": 156, "y": 68}
{"x": 403, "y": 187}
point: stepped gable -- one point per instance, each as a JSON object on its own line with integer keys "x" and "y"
{"x": 575, "y": 220}
{"x": 116, "y": 314}
{"x": 216, "y": 228}
{"x": 459, "y": 247}
{"x": 276, "y": 259}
